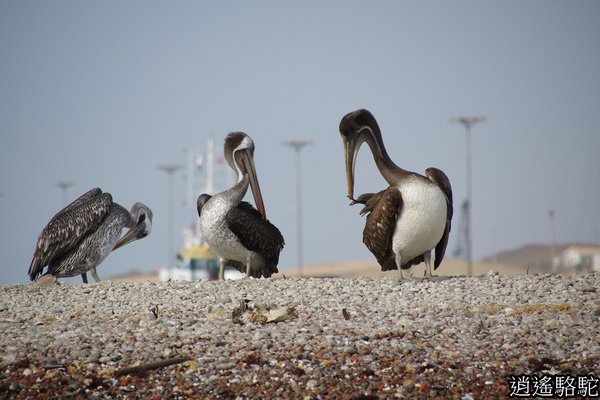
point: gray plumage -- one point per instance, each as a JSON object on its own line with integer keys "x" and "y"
{"x": 79, "y": 237}
{"x": 264, "y": 238}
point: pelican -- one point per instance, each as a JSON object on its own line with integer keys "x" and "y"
{"x": 409, "y": 218}
{"x": 240, "y": 234}
{"x": 82, "y": 235}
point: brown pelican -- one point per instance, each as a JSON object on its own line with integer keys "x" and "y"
{"x": 240, "y": 235}
{"x": 82, "y": 235}
{"x": 409, "y": 218}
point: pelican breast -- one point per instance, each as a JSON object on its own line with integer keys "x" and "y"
{"x": 422, "y": 220}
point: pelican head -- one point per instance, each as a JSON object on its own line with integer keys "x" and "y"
{"x": 356, "y": 128}
{"x": 140, "y": 226}
{"x": 239, "y": 153}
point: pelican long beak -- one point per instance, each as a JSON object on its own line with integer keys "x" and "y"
{"x": 134, "y": 233}
{"x": 351, "y": 151}
{"x": 248, "y": 167}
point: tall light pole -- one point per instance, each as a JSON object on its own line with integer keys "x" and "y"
{"x": 552, "y": 218}
{"x": 170, "y": 169}
{"x": 65, "y": 185}
{"x": 298, "y": 145}
{"x": 468, "y": 122}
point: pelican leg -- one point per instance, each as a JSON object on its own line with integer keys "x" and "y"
{"x": 84, "y": 277}
{"x": 398, "y": 264}
{"x": 222, "y": 270}
{"x": 248, "y": 265}
{"x": 95, "y": 274}
{"x": 428, "y": 274}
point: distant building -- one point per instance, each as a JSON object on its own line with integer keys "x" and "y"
{"x": 196, "y": 261}
{"x": 578, "y": 257}
{"x": 540, "y": 258}
{"x": 193, "y": 263}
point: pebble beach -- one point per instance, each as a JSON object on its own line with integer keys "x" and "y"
{"x": 305, "y": 338}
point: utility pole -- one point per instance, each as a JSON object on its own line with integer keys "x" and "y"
{"x": 170, "y": 170}
{"x": 468, "y": 122}
{"x": 552, "y": 218}
{"x": 64, "y": 186}
{"x": 298, "y": 145}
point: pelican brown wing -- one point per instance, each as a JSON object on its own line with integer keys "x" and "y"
{"x": 383, "y": 209}
{"x": 84, "y": 198}
{"x": 68, "y": 227}
{"x": 440, "y": 179}
{"x": 257, "y": 235}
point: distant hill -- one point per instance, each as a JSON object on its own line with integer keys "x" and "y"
{"x": 528, "y": 259}
{"x": 370, "y": 268}
{"x": 135, "y": 276}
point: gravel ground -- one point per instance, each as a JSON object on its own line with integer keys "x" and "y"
{"x": 337, "y": 338}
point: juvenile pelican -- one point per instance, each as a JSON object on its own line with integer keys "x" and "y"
{"x": 240, "y": 235}
{"x": 82, "y": 235}
{"x": 409, "y": 218}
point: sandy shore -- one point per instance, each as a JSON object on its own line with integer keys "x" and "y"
{"x": 336, "y": 338}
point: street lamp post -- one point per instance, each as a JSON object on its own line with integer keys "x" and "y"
{"x": 65, "y": 185}
{"x": 552, "y": 218}
{"x": 170, "y": 170}
{"x": 468, "y": 122}
{"x": 298, "y": 145}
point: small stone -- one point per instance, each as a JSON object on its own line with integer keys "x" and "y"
{"x": 126, "y": 347}
{"x": 73, "y": 387}
{"x": 225, "y": 365}
{"x": 14, "y": 387}
{"x": 261, "y": 335}
{"x": 44, "y": 281}
{"x": 479, "y": 353}
{"x": 311, "y": 384}
{"x": 94, "y": 357}
{"x": 8, "y": 359}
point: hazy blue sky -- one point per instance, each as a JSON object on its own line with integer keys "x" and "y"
{"x": 100, "y": 93}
